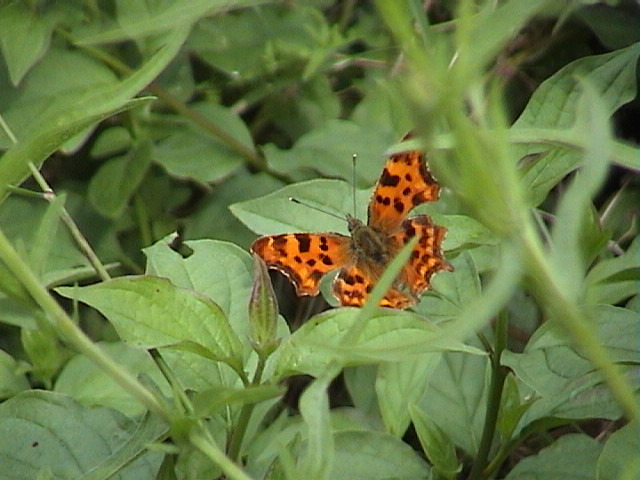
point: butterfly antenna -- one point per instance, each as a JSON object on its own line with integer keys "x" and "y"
{"x": 353, "y": 170}
{"x": 312, "y": 207}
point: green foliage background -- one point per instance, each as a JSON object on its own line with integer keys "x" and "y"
{"x": 127, "y": 351}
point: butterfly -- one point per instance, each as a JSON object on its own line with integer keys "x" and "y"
{"x": 305, "y": 258}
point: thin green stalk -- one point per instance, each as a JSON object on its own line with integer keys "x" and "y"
{"x": 77, "y": 235}
{"x": 182, "y": 400}
{"x": 567, "y": 314}
{"x": 498, "y": 376}
{"x": 203, "y": 442}
{"x": 144, "y": 223}
{"x": 71, "y": 333}
{"x": 240, "y": 429}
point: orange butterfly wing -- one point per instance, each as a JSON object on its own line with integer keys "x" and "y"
{"x": 304, "y": 257}
{"x": 404, "y": 184}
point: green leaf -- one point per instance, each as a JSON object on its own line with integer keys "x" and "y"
{"x": 112, "y": 187}
{"x": 150, "y": 312}
{"x": 388, "y": 336}
{"x": 568, "y": 385}
{"x": 619, "y": 459}
{"x": 495, "y": 26}
{"x": 24, "y": 38}
{"x": 455, "y": 291}
{"x": 552, "y": 463}
{"x": 554, "y": 105}
{"x": 614, "y": 279}
{"x": 275, "y": 213}
{"x": 375, "y": 456}
{"x": 219, "y": 270}
{"x": 48, "y": 433}
{"x": 329, "y": 150}
{"x": 615, "y": 27}
{"x": 193, "y": 154}
{"x": 400, "y": 385}
{"x": 456, "y": 398}
{"x": 57, "y": 117}
{"x": 45, "y": 352}
{"x": 12, "y": 379}
{"x": 91, "y": 386}
{"x": 567, "y": 256}
{"x": 208, "y": 401}
{"x": 435, "y": 443}
{"x": 318, "y": 459}
{"x": 259, "y": 40}
{"x": 142, "y": 19}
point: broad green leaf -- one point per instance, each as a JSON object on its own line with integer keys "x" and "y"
{"x": 329, "y": 150}
{"x": 275, "y": 213}
{"x": 24, "y": 38}
{"x": 615, "y": 27}
{"x": 49, "y": 433}
{"x": 554, "y": 462}
{"x": 455, "y": 290}
{"x": 91, "y": 386}
{"x": 549, "y": 364}
{"x": 367, "y": 455}
{"x": 191, "y": 153}
{"x": 614, "y": 279}
{"x": 388, "y": 336}
{"x": 456, "y": 398}
{"x": 141, "y": 19}
{"x": 554, "y": 105}
{"x": 219, "y": 397}
{"x": 113, "y": 185}
{"x": 619, "y": 459}
{"x": 564, "y": 383}
{"x": 436, "y": 445}
{"x": 318, "y": 460}
{"x": 150, "y": 312}
{"x": 59, "y": 117}
{"x": 401, "y": 384}
{"x": 259, "y": 40}
{"x": 219, "y": 270}
{"x": 12, "y": 379}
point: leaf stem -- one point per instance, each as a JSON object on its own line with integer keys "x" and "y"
{"x": 238, "y": 433}
{"x": 498, "y": 376}
{"x": 201, "y": 439}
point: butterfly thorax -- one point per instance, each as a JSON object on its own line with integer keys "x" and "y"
{"x": 368, "y": 244}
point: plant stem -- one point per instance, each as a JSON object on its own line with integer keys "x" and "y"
{"x": 238, "y": 433}
{"x": 203, "y": 442}
{"x": 498, "y": 376}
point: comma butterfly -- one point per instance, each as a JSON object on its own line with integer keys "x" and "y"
{"x": 362, "y": 258}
